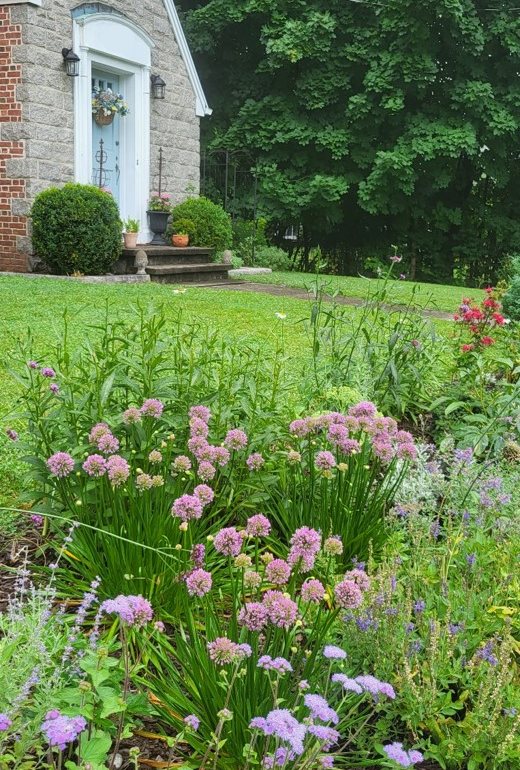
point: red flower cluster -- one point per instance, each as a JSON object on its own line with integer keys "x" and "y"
{"x": 480, "y": 319}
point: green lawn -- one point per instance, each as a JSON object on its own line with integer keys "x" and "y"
{"x": 430, "y": 295}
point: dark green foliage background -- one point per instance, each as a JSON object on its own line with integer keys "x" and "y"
{"x": 211, "y": 224}
{"x": 76, "y": 228}
{"x": 373, "y": 123}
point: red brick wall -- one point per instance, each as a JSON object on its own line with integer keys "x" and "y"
{"x": 11, "y": 226}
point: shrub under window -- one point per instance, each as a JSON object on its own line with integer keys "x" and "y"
{"x": 76, "y": 228}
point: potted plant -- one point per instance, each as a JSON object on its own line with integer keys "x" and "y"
{"x": 183, "y": 230}
{"x": 130, "y": 234}
{"x": 158, "y": 215}
{"x": 106, "y": 104}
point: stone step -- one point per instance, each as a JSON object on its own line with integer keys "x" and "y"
{"x": 168, "y": 255}
{"x": 188, "y": 273}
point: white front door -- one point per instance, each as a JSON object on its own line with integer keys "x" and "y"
{"x": 106, "y": 142}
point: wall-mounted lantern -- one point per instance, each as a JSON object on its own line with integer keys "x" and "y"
{"x": 158, "y": 87}
{"x": 71, "y": 61}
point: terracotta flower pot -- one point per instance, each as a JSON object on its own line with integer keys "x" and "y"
{"x": 180, "y": 241}
{"x": 130, "y": 240}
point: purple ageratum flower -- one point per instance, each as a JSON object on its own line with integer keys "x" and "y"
{"x": 5, "y": 723}
{"x": 152, "y": 407}
{"x": 375, "y": 687}
{"x": 283, "y": 725}
{"x": 326, "y": 735}
{"x": 312, "y": 591}
{"x": 95, "y": 465}
{"x": 192, "y": 722}
{"x": 132, "y": 415}
{"x": 11, "y": 434}
{"x": 200, "y": 412}
{"x": 254, "y": 616}
{"x": 471, "y": 559}
{"x": 199, "y": 582}
{"x": 132, "y": 610}
{"x": 486, "y": 653}
{"x": 61, "y": 730}
{"x": 280, "y": 665}
{"x": 228, "y": 541}
{"x": 326, "y": 761}
{"x": 223, "y": 651}
{"x": 108, "y": 444}
{"x": 118, "y": 470}
{"x": 235, "y": 439}
{"x": 181, "y": 464}
{"x": 397, "y": 753}
{"x": 204, "y": 493}
{"x": 282, "y": 611}
{"x": 278, "y": 572}
{"x": 360, "y": 578}
{"x": 97, "y": 431}
{"x": 320, "y": 709}
{"x": 206, "y": 471}
{"x": 37, "y": 520}
{"x": 258, "y": 526}
{"x": 255, "y": 461}
{"x": 348, "y": 595}
{"x": 47, "y": 371}
{"x": 325, "y": 461}
{"x": 187, "y": 507}
{"x": 331, "y": 652}
{"x": 60, "y": 465}
{"x": 347, "y": 683}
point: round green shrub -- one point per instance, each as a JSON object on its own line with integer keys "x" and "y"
{"x": 273, "y": 257}
{"x": 212, "y": 226}
{"x": 76, "y": 228}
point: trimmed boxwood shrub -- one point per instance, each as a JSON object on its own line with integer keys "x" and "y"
{"x": 212, "y": 226}
{"x": 76, "y": 228}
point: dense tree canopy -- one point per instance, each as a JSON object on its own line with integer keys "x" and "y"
{"x": 374, "y": 123}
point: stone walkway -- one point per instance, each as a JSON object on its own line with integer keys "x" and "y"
{"x": 289, "y": 291}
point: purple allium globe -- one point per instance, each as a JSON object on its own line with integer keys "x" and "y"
{"x": 60, "y": 465}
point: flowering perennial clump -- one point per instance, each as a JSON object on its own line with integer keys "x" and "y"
{"x": 480, "y": 320}
{"x": 60, "y": 730}
{"x": 132, "y": 610}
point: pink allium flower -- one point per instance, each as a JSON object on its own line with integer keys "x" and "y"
{"x": 187, "y": 507}
{"x": 143, "y": 481}
{"x": 300, "y": 428}
{"x": 404, "y": 437}
{"x": 54, "y": 388}
{"x": 363, "y": 409}
{"x": 48, "y": 372}
{"x": 360, "y": 578}
{"x": 200, "y": 412}
{"x": 205, "y": 453}
{"x": 305, "y": 544}
{"x": 95, "y": 465}
{"x": 204, "y": 493}
{"x": 258, "y": 526}
{"x": 152, "y": 407}
{"x": 33, "y": 364}
{"x": 60, "y": 465}
{"x": 255, "y": 461}
{"x": 407, "y": 452}
{"x": 108, "y": 444}
{"x": 132, "y": 415}
{"x": 199, "y": 582}
{"x": 118, "y": 470}
{"x": 350, "y": 446}
{"x": 181, "y": 464}
{"x": 383, "y": 450}
{"x": 223, "y": 651}
{"x": 312, "y": 591}
{"x": 221, "y": 456}
{"x": 198, "y": 427}
{"x": 351, "y": 423}
{"x": 325, "y": 461}
{"x": 11, "y": 434}
{"x": 348, "y": 595}
{"x": 60, "y": 731}
{"x": 293, "y": 457}
{"x": 253, "y": 616}
{"x": 132, "y": 610}
{"x": 333, "y": 546}
{"x": 278, "y": 572}
{"x": 97, "y": 431}
{"x": 159, "y": 626}
{"x": 206, "y": 471}
{"x": 282, "y": 611}
{"x": 196, "y": 443}
{"x": 337, "y": 433}
{"x": 198, "y": 553}
{"x": 235, "y": 439}
{"x": 228, "y": 541}
{"x": 155, "y": 456}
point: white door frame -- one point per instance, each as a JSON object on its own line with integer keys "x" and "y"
{"x": 115, "y": 44}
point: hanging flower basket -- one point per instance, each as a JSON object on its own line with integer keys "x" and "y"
{"x": 102, "y": 119}
{"x": 106, "y": 104}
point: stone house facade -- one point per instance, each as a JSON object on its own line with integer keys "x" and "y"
{"x": 47, "y": 132}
